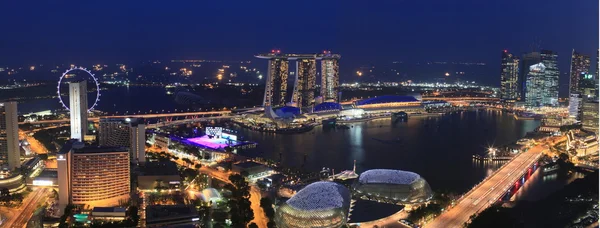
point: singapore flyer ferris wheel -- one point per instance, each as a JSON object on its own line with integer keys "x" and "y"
{"x": 91, "y": 108}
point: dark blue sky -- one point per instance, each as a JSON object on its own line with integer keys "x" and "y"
{"x": 362, "y": 32}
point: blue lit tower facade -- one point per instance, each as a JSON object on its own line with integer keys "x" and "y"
{"x": 535, "y": 85}
{"x": 551, "y": 73}
{"x": 509, "y": 76}
{"x": 528, "y": 60}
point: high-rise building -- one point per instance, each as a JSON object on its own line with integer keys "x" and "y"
{"x": 124, "y": 132}
{"x": 95, "y": 176}
{"x": 551, "y": 74}
{"x": 78, "y": 109}
{"x": 579, "y": 64}
{"x": 509, "y": 77}
{"x": 590, "y": 116}
{"x": 535, "y": 85}
{"x": 113, "y": 132}
{"x": 528, "y": 60}
{"x": 597, "y": 66}
{"x": 304, "y": 86}
{"x": 10, "y": 156}
{"x": 575, "y": 102}
{"x": 597, "y": 78}
{"x": 305, "y": 83}
{"x": 276, "y": 83}
{"x": 330, "y": 78}
{"x": 137, "y": 144}
{"x": 587, "y": 86}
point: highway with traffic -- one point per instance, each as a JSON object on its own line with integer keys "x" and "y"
{"x": 25, "y": 211}
{"x": 489, "y": 191}
{"x": 152, "y": 115}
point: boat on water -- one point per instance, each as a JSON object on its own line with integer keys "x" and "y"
{"x": 391, "y": 141}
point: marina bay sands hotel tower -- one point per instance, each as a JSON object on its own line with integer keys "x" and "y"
{"x": 305, "y": 80}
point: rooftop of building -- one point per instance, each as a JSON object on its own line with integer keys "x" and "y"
{"x": 100, "y": 149}
{"x": 159, "y": 169}
{"x": 32, "y": 161}
{"x": 279, "y": 55}
{"x": 67, "y": 146}
{"x": 320, "y": 196}
{"x": 327, "y": 106}
{"x": 386, "y": 99}
{"x": 47, "y": 173}
{"x": 387, "y": 176}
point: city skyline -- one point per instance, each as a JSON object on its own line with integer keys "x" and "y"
{"x": 244, "y": 114}
{"x": 363, "y": 37}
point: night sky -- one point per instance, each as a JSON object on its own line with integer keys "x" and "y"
{"x": 363, "y": 32}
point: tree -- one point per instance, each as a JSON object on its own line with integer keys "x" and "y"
{"x": 198, "y": 166}
{"x": 4, "y": 192}
{"x": 267, "y": 206}
{"x": 493, "y": 217}
{"x": 241, "y": 213}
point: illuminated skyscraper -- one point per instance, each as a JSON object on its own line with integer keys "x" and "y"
{"x": 528, "y": 60}
{"x": 579, "y": 64}
{"x": 575, "y": 102}
{"x": 124, "y": 132}
{"x": 535, "y": 85}
{"x": 304, "y": 86}
{"x": 276, "y": 83}
{"x": 95, "y": 176}
{"x": 330, "y": 78}
{"x": 9, "y": 136}
{"x": 113, "y": 132}
{"x": 590, "y": 116}
{"x": 551, "y": 73}
{"x": 587, "y": 86}
{"x": 137, "y": 138}
{"x": 509, "y": 76}
{"x": 78, "y": 109}
{"x": 304, "y": 89}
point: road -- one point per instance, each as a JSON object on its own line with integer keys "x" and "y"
{"x": 95, "y": 119}
{"x": 388, "y": 222}
{"x": 487, "y": 192}
{"x": 25, "y": 211}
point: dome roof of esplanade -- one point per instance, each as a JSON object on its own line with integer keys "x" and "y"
{"x": 320, "y": 204}
{"x": 394, "y": 186}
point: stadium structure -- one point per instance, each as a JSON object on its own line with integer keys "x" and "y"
{"x": 320, "y": 204}
{"x": 392, "y": 186}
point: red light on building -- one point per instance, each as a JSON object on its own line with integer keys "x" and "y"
{"x": 505, "y": 51}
